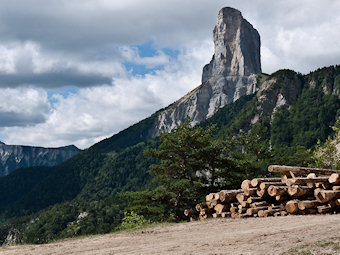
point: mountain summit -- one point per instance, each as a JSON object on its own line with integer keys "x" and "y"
{"x": 237, "y": 47}
{"x": 229, "y": 75}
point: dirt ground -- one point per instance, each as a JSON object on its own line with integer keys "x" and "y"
{"x": 271, "y": 235}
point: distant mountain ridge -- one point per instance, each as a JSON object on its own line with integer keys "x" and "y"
{"x": 19, "y": 156}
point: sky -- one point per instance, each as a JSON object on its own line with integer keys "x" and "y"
{"x": 78, "y": 71}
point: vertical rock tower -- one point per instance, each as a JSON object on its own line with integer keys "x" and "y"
{"x": 229, "y": 75}
{"x": 237, "y": 47}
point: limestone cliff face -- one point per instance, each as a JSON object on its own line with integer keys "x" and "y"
{"x": 17, "y": 156}
{"x": 237, "y": 47}
{"x": 229, "y": 75}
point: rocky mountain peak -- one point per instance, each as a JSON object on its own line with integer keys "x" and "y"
{"x": 237, "y": 47}
{"x": 229, "y": 75}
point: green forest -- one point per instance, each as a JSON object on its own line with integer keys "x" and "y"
{"x": 131, "y": 179}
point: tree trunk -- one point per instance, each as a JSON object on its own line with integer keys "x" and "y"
{"x": 250, "y": 192}
{"x": 274, "y": 190}
{"x": 307, "y": 204}
{"x": 323, "y": 196}
{"x": 262, "y": 193}
{"x": 300, "y": 191}
{"x": 229, "y": 196}
{"x": 324, "y": 209}
{"x": 190, "y": 213}
{"x": 246, "y": 184}
{"x": 292, "y": 206}
{"x": 265, "y": 185}
{"x": 254, "y": 199}
{"x": 256, "y": 182}
{"x": 251, "y": 211}
{"x": 300, "y": 170}
{"x": 334, "y": 179}
{"x": 259, "y": 204}
{"x": 219, "y": 208}
{"x": 241, "y": 197}
{"x": 209, "y": 197}
{"x": 305, "y": 180}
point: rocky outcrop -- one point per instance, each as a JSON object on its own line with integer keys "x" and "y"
{"x": 17, "y": 156}
{"x": 276, "y": 92}
{"x": 229, "y": 75}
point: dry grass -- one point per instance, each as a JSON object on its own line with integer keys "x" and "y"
{"x": 327, "y": 247}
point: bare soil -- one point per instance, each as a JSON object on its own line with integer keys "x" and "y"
{"x": 272, "y": 235}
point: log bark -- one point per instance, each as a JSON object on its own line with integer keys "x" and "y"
{"x": 256, "y": 181}
{"x": 212, "y": 203}
{"x": 262, "y": 193}
{"x": 323, "y": 196}
{"x": 246, "y": 184}
{"x": 277, "y": 214}
{"x": 241, "y": 197}
{"x": 292, "y": 206}
{"x": 300, "y": 170}
{"x": 307, "y": 204}
{"x": 233, "y": 209}
{"x": 229, "y": 196}
{"x": 251, "y": 211}
{"x": 260, "y": 213}
{"x": 225, "y": 214}
{"x": 323, "y": 185}
{"x": 334, "y": 179}
{"x": 259, "y": 204}
{"x": 273, "y": 207}
{"x": 201, "y": 206}
{"x": 311, "y": 175}
{"x": 242, "y": 210}
{"x": 305, "y": 180}
{"x": 191, "y": 212}
{"x": 265, "y": 185}
{"x": 268, "y": 212}
{"x": 336, "y": 188}
{"x": 254, "y": 199}
{"x": 324, "y": 209}
{"x": 244, "y": 204}
{"x": 250, "y": 192}
{"x": 274, "y": 190}
{"x": 205, "y": 211}
{"x": 209, "y": 197}
{"x": 299, "y": 191}
{"x": 216, "y": 215}
{"x": 309, "y": 211}
{"x": 282, "y": 197}
{"x": 217, "y": 195}
{"x": 284, "y": 213}
{"x": 219, "y": 208}
{"x": 242, "y": 215}
{"x": 337, "y": 202}
{"x": 234, "y": 215}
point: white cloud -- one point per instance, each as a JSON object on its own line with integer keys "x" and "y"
{"x": 94, "y": 113}
{"x": 23, "y": 107}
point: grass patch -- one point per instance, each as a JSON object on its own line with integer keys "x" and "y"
{"x": 325, "y": 247}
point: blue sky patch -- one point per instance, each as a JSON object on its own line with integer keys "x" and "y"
{"x": 145, "y": 50}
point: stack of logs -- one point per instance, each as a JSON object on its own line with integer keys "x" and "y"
{"x": 300, "y": 190}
